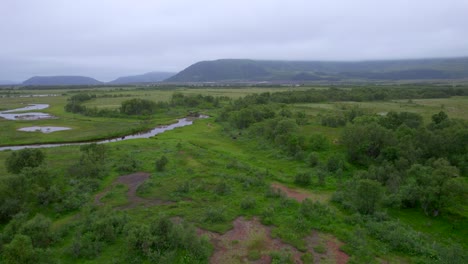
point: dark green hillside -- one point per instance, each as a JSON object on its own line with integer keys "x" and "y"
{"x": 255, "y": 70}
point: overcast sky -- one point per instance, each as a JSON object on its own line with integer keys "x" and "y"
{"x": 105, "y": 39}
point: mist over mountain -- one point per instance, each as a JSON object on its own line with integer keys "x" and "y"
{"x": 258, "y": 70}
{"x": 61, "y": 80}
{"x": 149, "y": 77}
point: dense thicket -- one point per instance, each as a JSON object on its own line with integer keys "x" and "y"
{"x": 418, "y": 165}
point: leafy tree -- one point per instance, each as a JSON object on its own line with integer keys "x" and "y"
{"x": 92, "y": 163}
{"x": 367, "y": 196}
{"x": 434, "y": 188}
{"x": 303, "y": 179}
{"x": 439, "y": 118}
{"x": 24, "y": 158}
{"x": 393, "y": 120}
{"x": 313, "y": 159}
{"x": 364, "y": 143}
{"x": 20, "y": 251}
{"x": 318, "y": 142}
{"x": 335, "y": 163}
{"x": 38, "y": 229}
{"x": 138, "y": 106}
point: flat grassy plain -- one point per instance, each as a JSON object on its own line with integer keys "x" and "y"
{"x": 212, "y": 174}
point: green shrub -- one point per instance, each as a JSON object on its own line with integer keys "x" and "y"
{"x": 248, "y": 203}
{"x": 303, "y": 179}
{"x": 20, "y": 159}
{"x": 161, "y": 163}
{"x": 214, "y": 215}
{"x": 335, "y": 163}
{"x": 222, "y": 188}
{"x": 313, "y": 159}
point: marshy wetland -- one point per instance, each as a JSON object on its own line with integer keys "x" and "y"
{"x": 240, "y": 175}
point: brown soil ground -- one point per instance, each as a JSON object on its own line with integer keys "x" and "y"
{"x": 247, "y": 236}
{"x": 296, "y": 195}
{"x": 250, "y": 242}
{"x": 132, "y": 181}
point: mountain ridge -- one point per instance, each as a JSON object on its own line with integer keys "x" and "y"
{"x": 61, "y": 80}
{"x": 276, "y": 70}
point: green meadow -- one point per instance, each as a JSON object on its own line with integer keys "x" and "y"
{"x": 77, "y": 208}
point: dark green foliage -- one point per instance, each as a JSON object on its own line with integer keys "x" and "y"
{"x": 433, "y": 188}
{"x": 248, "y": 203}
{"x": 183, "y": 188}
{"x": 361, "y": 195}
{"x": 214, "y": 215}
{"x": 333, "y": 120}
{"x": 313, "y": 159}
{"x": 159, "y": 240}
{"x": 38, "y": 229}
{"x": 96, "y": 229}
{"x": 138, "y": 106}
{"x": 222, "y": 188}
{"x": 92, "y": 163}
{"x": 128, "y": 164}
{"x": 393, "y": 120}
{"x": 281, "y": 257}
{"x": 365, "y": 143}
{"x": 318, "y": 142}
{"x": 335, "y": 163}
{"x": 439, "y": 118}
{"x": 202, "y": 101}
{"x": 24, "y": 158}
{"x": 161, "y": 163}
{"x": 303, "y": 179}
{"x": 367, "y": 196}
{"x": 21, "y": 251}
{"x": 316, "y": 211}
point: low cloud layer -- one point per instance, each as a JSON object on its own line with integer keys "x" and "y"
{"x": 109, "y": 38}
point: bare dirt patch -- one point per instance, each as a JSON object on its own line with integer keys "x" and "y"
{"x": 247, "y": 242}
{"x": 300, "y": 195}
{"x": 251, "y": 242}
{"x": 325, "y": 248}
{"x": 132, "y": 181}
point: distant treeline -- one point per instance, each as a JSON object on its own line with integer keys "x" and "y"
{"x": 354, "y": 94}
{"x": 138, "y": 106}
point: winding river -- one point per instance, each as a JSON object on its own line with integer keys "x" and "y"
{"x": 157, "y": 130}
{"x": 13, "y": 115}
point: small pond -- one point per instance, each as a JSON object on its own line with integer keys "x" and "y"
{"x": 43, "y": 129}
{"x": 13, "y": 115}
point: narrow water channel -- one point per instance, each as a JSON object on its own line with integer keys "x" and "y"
{"x": 186, "y": 121}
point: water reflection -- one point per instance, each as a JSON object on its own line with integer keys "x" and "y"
{"x": 157, "y": 130}
{"x": 13, "y": 115}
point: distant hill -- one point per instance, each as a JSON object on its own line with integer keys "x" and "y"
{"x": 61, "y": 80}
{"x": 149, "y": 77}
{"x": 257, "y": 70}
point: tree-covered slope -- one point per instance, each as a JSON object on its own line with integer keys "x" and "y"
{"x": 256, "y": 70}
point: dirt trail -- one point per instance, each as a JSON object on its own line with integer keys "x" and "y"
{"x": 296, "y": 195}
{"x": 132, "y": 181}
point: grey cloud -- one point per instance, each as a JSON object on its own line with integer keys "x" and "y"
{"x": 108, "y": 38}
